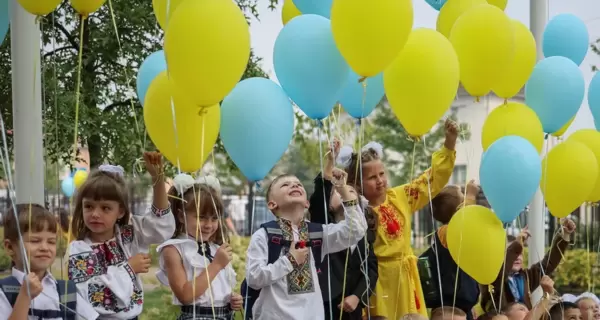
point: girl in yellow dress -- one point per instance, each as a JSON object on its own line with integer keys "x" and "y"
{"x": 398, "y": 290}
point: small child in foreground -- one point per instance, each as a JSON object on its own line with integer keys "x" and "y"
{"x": 35, "y": 293}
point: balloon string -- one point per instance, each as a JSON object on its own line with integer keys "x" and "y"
{"x": 127, "y": 78}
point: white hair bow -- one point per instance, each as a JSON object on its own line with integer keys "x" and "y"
{"x": 184, "y": 182}
{"x": 346, "y": 152}
{"x": 118, "y": 170}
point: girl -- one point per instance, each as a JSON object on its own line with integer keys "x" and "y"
{"x": 109, "y": 248}
{"x": 347, "y": 265}
{"x": 195, "y": 263}
{"x": 398, "y": 293}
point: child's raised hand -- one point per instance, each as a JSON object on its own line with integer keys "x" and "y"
{"x": 299, "y": 254}
{"x": 223, "y": 256}
{"x": 472, "y": 189}
{"x": 452, "y": 130}
{"x": 547, "y": 284}
{"x": 140, "y": 263}
{"x": 154, "y": 164}
{"x": 35, "y": 286}
{"x": 524, "y": 235}
{"x": 339, "y": 177}
{"x": 237, "y": 302}
{"x": 569, "y": 226}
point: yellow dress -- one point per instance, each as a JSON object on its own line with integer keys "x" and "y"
{"x": 398, "y": 290}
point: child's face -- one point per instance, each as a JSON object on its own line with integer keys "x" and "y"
{"x": 286, "y": 192}
{"x": 517, "y": 312}
{"x": 448, "y": 316}
{"x": 589, "y": 309}
{"x": 201, "y": 228}
{"x": 100, "y": 217}
{"x": 40, "y": 248}
{"x": 374, "y": 179}
{"x": 572, "y": 314}
{"x": 500, "y": 317}
{"x": 518, "y": 264}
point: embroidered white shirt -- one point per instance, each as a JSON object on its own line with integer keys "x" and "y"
{"x": 102, "y": 273}
{"x": 274, "y": 301}
{"x": 47, "y": 300}
{"x": 221, "y": 286}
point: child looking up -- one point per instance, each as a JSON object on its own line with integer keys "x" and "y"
{"x": 289, "y": 286}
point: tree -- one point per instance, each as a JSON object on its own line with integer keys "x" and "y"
{"x": 110, "y": 116}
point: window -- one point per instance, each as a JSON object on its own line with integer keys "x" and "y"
{"x": 459, "y": 175}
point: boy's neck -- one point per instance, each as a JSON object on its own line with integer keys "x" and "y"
{"x": 101, "y": 237}
{"x": 294, "y": 215}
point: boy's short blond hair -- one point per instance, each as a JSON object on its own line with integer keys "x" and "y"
{"x": 29, "y": 218}
{"x": 413, "y": 316}
{"x": 441, "y": 311}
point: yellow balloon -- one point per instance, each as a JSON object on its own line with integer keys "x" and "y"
{"x": 289, "y": 11}
{"x": 187, "y": 148}
{"x": 451, "y": 10}
{"x": 476, "y": 241}
{"x": 512, "y": 119}
{"x": 418, "y": 93}
{"x": 591, "y": 139}
{"x": 370, "y": 34}
{"x": 498, "y": 3}
{"x": 79, "y": 177}
{"x": 513, "y": 78}
{"x": 564, "y": 129}
{"x": 160, "y": 10}
{"x": 207, "y": 46}
{"x": 39, "y": 7}
{"x": 86, "y": 7}
{"x": 569, "y": 173}
{"x": 484, "y": 42}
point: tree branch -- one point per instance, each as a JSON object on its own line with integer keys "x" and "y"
{"x": 66, "y": 33}
{"x": 113, "y": 105}
{"x": 47, "y": 54}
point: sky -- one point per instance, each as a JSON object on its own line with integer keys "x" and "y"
{"x": 265, "y": 31}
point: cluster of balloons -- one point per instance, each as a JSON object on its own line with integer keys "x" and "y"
{"x": 73, "y": 181}
{"x": 513, "y": 134}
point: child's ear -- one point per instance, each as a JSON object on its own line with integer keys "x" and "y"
{"x": 180, "y": 216}
{"x": 8, "y": 248}
{"x": 272, "y": 205}
{"x": 307, "y": 204}
{"x": 121, "y": 213}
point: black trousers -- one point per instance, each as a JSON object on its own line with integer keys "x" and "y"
{"x": 354, "y": 315}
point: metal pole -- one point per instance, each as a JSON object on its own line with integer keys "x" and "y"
{"x": 27, "y": 106}
{"x": 538, "y": 17}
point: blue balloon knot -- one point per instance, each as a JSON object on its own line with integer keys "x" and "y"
{"x": 546, "y": 136}
{"x": 320, "y": 123}
{"x": 258, "y": 186}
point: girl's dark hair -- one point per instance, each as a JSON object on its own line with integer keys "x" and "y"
{"x": 557, "y": 310}
{"x": 445, "y": 204}
{"x": 99, "y": 186}
{"x": 489, "y": 315}
{"x": 201, "y": 201}
{"x": 353, "y": 169}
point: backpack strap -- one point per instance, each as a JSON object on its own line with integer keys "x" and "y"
{"x": 315, "y": 236}
{"x": 10, "y": 287}
{"x": 67, "y": 294}
{"x": 275, "y": 240}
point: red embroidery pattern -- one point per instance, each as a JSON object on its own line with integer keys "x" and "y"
{"x": 388, "y": 217}
{"x": 412, "y": 190}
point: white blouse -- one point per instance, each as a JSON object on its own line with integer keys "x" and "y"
{"x": 102, "y": 273}
{"x": 220, "y": 288}
{"x": 282, "y": 299}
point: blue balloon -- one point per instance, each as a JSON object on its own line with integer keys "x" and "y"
{"x": 4, "y": 19}
{"x": 555, "y": 91}
{"x": 68, "y": 187}
{"x": 594, "y": 96}
{"x": 510, "y": 174}
{"x": 257, "y": 126}
{"x": 566, "y": 36}
{"x": 436, "y": 4}
{"x": 354, "y": 93}
{"x": 309, "y": 65}
{"x": 318, "y": 7}
{"x": 150, "y": 68}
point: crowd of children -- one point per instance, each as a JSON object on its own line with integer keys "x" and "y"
{"x": 343, "y": 252}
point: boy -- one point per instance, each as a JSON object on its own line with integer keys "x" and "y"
{"x": 36, "y": 295}
{"x": 444, "y": 205}
{"x": 290, "y": 285}
{"x": 520, "y": 283}
{"x": 565, "y": 311}
{"x": 448, "y": 313}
